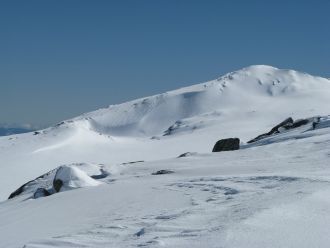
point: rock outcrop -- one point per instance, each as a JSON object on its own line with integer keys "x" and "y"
{"x": 65, "y": 177}
{"x": 287, "y": 124}
{"x": 230, "y": 144}
{"x": 187, "y": 154}
{"x": 41, "y": 192}
{"x": 162, "y": 172}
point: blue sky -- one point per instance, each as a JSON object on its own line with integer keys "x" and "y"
{"x": 61, "y": 58}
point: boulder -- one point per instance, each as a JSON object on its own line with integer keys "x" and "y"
{"x": 287, "y": 124}
{"x": 57, "y": 184}
{"x": 299, "y": 123}
{"x": 162, "y": 172}
{"x": 40, "y": 192}
{"x": 230, "y": 144}
{"x": 18, "y": 191}
{"x": 71, "y": 177}
{"x": 30, "y": 186}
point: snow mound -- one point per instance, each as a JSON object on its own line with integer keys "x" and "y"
{"x": 73, "y": 178}
{"x": 76, "y": 175}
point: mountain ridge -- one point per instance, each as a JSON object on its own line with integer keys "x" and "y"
{"x": 142, "y": 173}
{"x": 257, "y": 80}
{"x": 240, "y": 104}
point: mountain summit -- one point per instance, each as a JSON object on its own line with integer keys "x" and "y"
{"x": 261, "y": 89}
{"x": 142, "y": 174}
{"x": 241, "y": 104}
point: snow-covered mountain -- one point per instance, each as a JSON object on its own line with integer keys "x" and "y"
{"x": 255, "y": 89}
{"x": 206, "y": 198}
{"x": 243, "y": 104}
{"x": 251, "y": 89}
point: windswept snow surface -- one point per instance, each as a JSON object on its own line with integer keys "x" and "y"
{"x": 240, "y": 104}
{"x": 269, "y": 194}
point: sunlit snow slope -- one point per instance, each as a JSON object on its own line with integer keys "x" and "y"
{"x": 241, "y": 104}
{"x": 271, "y": 193}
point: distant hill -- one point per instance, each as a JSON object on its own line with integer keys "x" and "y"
{"x": 4, "y": 131}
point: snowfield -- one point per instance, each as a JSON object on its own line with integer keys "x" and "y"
{"x": 271, "y": 193}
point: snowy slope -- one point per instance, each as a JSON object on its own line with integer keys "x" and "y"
{"x": 239, "y": 104}
{"x": 270, "y": 194}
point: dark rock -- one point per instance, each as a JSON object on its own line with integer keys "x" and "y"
{"x": 315, "y": 122}
{"x": 299, "y": 123}
{"x": 187, "y": 154}
{"x": 60, "y": 124}
{"x": 57, "y": 184}
{"x": 230, "y": 144}
{"x": 162, "y": 172}
{"x": 295, "y": 124}
{"x": 18, "y": 191}
{"x": 133, "y": 162}
{"x": 259, "y": 137}
{"x": 140, "y": 232}
{"x": 103, "y": 174}
{"x": 21, "y": 189}
{"x": 173, "y": 128}
{"x": 286, "y": 122}
{"x": 286, "y": 125}
{"x": 40, "y": 192}
{"x": 36, "y": 133}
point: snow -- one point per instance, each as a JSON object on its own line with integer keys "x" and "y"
{"x": 271, "y": 193}
{"x": 72, "y": 178}
{"x": 241, "y": 104}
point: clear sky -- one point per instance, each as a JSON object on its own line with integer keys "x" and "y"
{"x": 60, "y": 58}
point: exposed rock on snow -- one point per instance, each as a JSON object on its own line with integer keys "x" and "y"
{"x": 70, "y": 177}
{"x": 41, "y": 192}
{"x": 288, "y": 121}
{"x": 229, "y": 144}
{"x": 287, "y": 124}
{"x": 187, "y": 154}
{"x": 57, "y": 184}
{"x": 18, "y": 191}
{"x": 173, "y": 128}
{"x": 63, "y": 178}
{"x": 33, "y": 185}
{"x": 162, "y": 172}
{"x": 133, "y": 162}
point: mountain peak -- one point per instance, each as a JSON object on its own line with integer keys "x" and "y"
{"x": 259, "y": 68}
